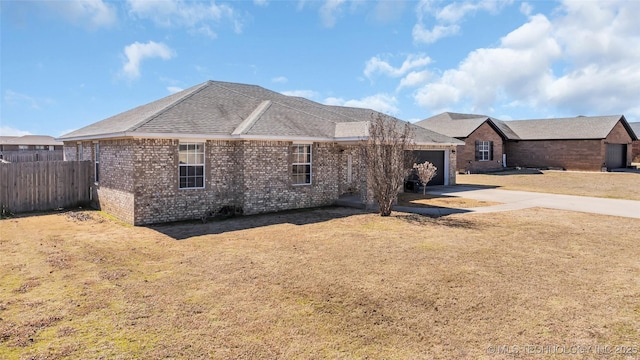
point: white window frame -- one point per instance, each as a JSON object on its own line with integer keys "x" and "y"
{"x": 297, "y": 161}
{"x": 191, "y": 157}
{"x": 484, "y": 149}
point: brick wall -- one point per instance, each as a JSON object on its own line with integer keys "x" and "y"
{"x": 567, "y": 154}
{"x": 139, "y": 178}
{"x": 635, "y": 152}
{"x": 114, "y": 190}
{"x": 466, "y": 154}
{"x": 253, "y": 175}
{"x": 587, "y": 155}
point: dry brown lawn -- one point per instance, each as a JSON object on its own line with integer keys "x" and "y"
{"x": 607, "y": 185}
{"x": 324, "y": 283}
{"x": 440, "y": 201}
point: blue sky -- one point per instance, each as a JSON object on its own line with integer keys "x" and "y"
{"x": 67, "y": 64}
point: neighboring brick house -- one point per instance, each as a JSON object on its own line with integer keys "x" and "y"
{"x": 590, "y": 143}
{"x": 30, "y": 148}
{"x": 635, "y": 147}
{"x": 580, "y": 143}
{"x": 238, "y": 146}
{"x": 483, "y": 138}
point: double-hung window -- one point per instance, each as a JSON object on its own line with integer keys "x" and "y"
{"x": 191, "y": 169}
{"x": 484, "y": 150}
{"x": 301, "y": 164}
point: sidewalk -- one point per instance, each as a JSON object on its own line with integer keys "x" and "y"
{"x": 516, "y": 200}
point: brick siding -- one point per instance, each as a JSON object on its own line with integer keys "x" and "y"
{"x": 587, "y": 155}
{"x": 635, "y": 152}
{"x": 466, "y": 154}
{"x": 139, "y": 178}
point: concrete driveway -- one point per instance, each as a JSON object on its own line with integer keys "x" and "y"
{"x": 516, "y": 200}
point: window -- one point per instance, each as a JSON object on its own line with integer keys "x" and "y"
{"x": 23, "y": 147}
{"x": 97, "y": 162}
{"x": 484, "y": 150}
{"x": 51, "y": 148}
{"x": 191, "y": 172}
{"x": 80, "y": 152}
{"x": 40, "y": 147}
{"x": 301, "y": 164}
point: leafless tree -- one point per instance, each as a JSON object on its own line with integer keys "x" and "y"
{"x": 426, "y": 171}
{"x": 384, "y": 155}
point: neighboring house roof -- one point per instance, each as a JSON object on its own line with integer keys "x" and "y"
{"x": 462, "y": 125}
{"x": 229, "y": 110}
{"x": 581, "y": 127}
{"x": 635, "y": 126}
{"x": 29, "y": 140}
{"x": 575, "y": 128}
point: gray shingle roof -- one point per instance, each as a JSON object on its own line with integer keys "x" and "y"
{"x": 235, "y": 110}
{"x": 635, "y": 126}
{"x": 458, "y": 128}
{"x": 462, "y": 125}
{"x": 581, "y": 127}
{"x": 29, "y": 140}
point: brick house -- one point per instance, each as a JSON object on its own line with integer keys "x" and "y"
{"x": 226, "y": 145}
{"x": 590, "y": 143}
{"x": 635, "y": 147}
{"x": 483, "y": 136}
{"x": 30, "y": 148}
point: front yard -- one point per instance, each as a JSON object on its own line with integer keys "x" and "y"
{"x": 326, "y": 283}
{"x": 607, "y": 185}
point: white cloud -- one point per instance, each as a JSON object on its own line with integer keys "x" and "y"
{"x": 261, "y": 3}
{"x": 279, "y": 79}
{"x": 330, "y": 11}
{"x": 415, "y": 78}
{"x": 380, "y": 102}
{"x": 426, "y": 36}
{"x": 456, "y": 11}
{"x": 174, "y": 89}
{"x": 448, "y": 18}
{"x": 13, "y": 98}
{"x": 377, "y": 65}
{"x": 584, "y": 59}
{"x": 196, "y": 16}
{"x": 9, "y": 131}
{"x": 308, "y": 94}
{"x": 137, "y": 52}
{"x": 526, "y": 8}
{"x": 90, "y": 13}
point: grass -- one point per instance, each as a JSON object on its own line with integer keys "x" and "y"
{"x": 606, "y": 185}
{"x": 325, "y": 283}
{"x": 440, "y": 201}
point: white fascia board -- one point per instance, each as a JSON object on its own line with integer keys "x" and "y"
{"x": 202, "y": 137}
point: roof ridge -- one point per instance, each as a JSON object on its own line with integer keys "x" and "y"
{"x": 197, "y": 89}
{"x": 295, "y": 98}
{"x": 252, "y": 118}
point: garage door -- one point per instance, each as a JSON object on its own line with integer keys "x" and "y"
{"x": 616, "y": 156}
{"x": 437, "y": 159}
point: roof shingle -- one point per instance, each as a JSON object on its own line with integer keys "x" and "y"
{"x": 229, "y": 109}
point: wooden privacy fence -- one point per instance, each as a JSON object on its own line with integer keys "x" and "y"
{"x": 44, "y": 185}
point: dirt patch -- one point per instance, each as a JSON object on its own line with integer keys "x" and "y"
{"x": 440, "y": 201}
{"x": 325, "y": 283}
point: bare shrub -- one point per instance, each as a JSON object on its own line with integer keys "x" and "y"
{"x": 384, "y": 155}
